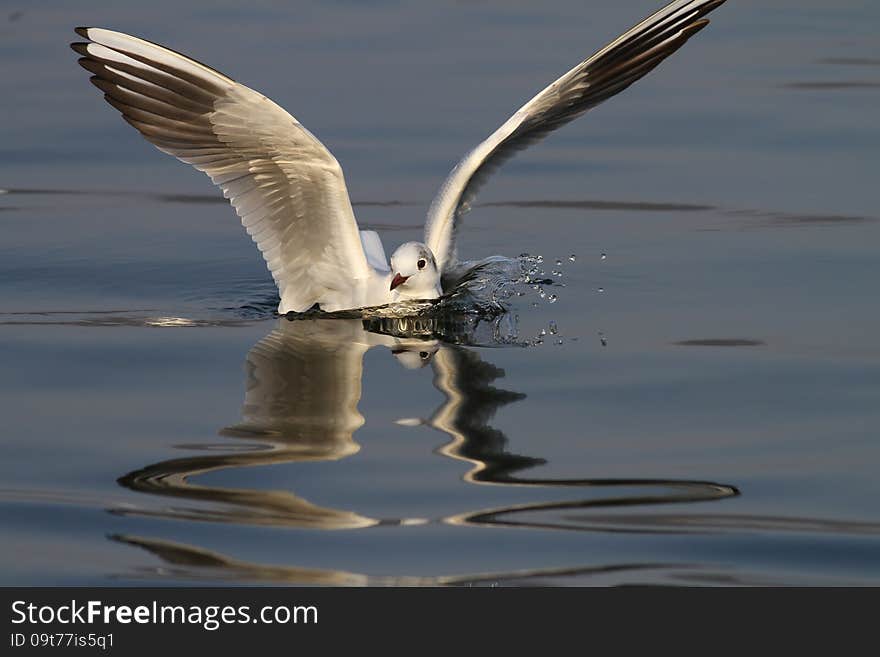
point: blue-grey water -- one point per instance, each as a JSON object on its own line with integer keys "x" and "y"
{"x": 699, "y": 406}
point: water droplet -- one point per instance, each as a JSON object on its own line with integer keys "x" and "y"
{"x": 552, "y": 298}
{"x": 600, "y": 290}
{"x": 542, "y": 294}
{"x": 542, "y": 332}
{"x": 553, "y": 328}
{"x": 602, "y": 339}
{"x": 539, "y": 258}
{"x": 559, "y": 342}
{"x": 572, "y": 257}
{"x": 556, "y": 272}
{"x": 534, "y": 304}
{"x": 559, "y": 263}
{"x": 603, "y": 256}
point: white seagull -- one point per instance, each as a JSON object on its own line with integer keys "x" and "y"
{"x": 289, "y": 190}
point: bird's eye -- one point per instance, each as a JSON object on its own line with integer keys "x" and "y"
{"x": 421, "y": 264}
{"x": 423, "y": 355}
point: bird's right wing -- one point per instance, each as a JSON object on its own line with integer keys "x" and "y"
{"x": 284, "y": 184}
{"x": 608, "y": 72}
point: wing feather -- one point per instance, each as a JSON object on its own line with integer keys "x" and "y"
{"x": 286, "y": 187}
{"x": 606, "y": 73}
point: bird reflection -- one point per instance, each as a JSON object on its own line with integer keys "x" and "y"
{"x": 302, "y": 389}
{"x": 303, "y": 385}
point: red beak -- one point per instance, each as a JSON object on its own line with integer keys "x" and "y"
{"x": 398, "y": 280}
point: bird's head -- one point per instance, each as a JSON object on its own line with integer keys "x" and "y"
{"x": 414, "y": 272}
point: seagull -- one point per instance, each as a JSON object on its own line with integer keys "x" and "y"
{"x": 289, "y": 190}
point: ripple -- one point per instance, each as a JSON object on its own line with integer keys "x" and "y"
{"x": 832, "y": 85}
{"x": 545, "y": 204}
{"x": 850, "y": 61}
{"x": 771, "y": 218}
{"x": 720, "y": 342}
{"x": 188, "y": 562}
{"x": 644, "y": 206}
{"x": 103, "y": 319}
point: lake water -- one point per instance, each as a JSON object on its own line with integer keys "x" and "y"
{"x": 700, "y": 406}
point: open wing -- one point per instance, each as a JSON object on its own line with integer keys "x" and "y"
{"x": 606, "y": 73}
{"x": 284, "y": 184}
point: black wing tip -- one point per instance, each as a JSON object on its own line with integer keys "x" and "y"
{"x": 83, "y": 31}
{"x": 80, "y": 48}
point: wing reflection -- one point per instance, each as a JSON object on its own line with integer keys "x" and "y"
{"x": 471, "y": 402}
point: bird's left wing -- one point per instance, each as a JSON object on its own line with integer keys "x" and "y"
{"x": 285, "y": 185}
{"x": 608, "y": 72}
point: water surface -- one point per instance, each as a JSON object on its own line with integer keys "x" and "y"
{"x": 699, "y": 406}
